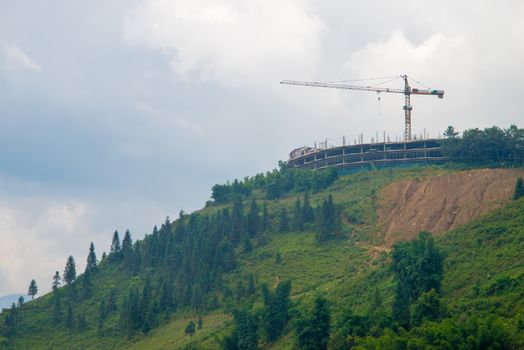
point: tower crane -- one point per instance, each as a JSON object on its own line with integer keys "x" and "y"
{"x": 407, "y": 91}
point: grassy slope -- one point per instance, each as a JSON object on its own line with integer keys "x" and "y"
{"x": 344, "y": 270}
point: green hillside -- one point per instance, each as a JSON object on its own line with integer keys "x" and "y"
{"x": 225, "y": 260}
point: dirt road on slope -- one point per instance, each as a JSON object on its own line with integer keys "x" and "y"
{"x": 442, "y": 202}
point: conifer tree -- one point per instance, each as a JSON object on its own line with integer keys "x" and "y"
{"x": 81, "y": 323}
{"x": 21, "y": 301}
{"x": 70, "y": 320}
{"x": 418, "y": 268}
{"x": 245, "y": 336}
{"x": 519, "y": 189}
{"x": 313, "y": 332}
{"x": 146, "y": 297}
{"x": 70, "y": 270}
{"x": 33, "y": 289}
{"x": 127, "y": 245}
{"x": 111, "y": 301}
{"x": 328, "y": 220}
{"x": 190, "y": 328}
{"x": 307, "y": 211}
{"x": 298, "y": 218}
{"x": 253, "y": 218}
{"x": 247, "y": 244}
{"x": 56, "y": 281}
{"x": 115, "y": 245}
{"x": 251, "y": 288}
{"x": 179, "y": 228}
{"x": 87, "y": 285}
{"x": 275, "y": 314}
{"x": 266, "y": 220}
{"x": 237, "y": 220}
{"x": 91, "y": 259}
{"x": 10, "y": 321}
{"x": 283, "y": 222}
{"x": 102, "y": 314}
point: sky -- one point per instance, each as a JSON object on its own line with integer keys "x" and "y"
{"x": 116, "y": 114}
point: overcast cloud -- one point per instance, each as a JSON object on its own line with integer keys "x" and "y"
{"x": 116, "y": 114}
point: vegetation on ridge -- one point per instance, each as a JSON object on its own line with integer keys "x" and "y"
{"x": 231, "y": 276}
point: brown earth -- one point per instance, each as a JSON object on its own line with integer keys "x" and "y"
{"x": 442, "y": 202}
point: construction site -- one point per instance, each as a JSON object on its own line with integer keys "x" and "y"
{"x": 410, "y": 150}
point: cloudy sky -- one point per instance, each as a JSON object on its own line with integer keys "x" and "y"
{"x": 116, "y": 114}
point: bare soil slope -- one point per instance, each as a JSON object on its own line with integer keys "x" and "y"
{"x": 443, "y": 202}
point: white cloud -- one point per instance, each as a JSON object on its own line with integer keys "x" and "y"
{"x": 15, "y": 56}
{"x": 233, "y": 42}
{"x": 38, "y": 233}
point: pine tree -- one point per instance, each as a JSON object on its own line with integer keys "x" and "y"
{"x": 307, "y": 211}
{"x": 91, "y": 259}
{"x": 275, "y": 314}
{"x": 146, "y": 297}
{"x": 111, "y": 301}
{"x": 313, "y": 332}
{"x": 21, "y": 301}
{"x": 70, "y": 270}
{"x": 298, "y": 218}
{"x": 519, "y": 189}
{"x": 245, "y": 334}
{"x": 418, "y": 268}
{"x": 127, "y": 245}
{"x": 266, "y": 219}
{"x": 33, "y": 289}
{"x": 87, "y": 285}
{"x": 102, "y": 314}
{"x": 10, "y": 321}
{"x": 190, "y": 328}
{"x": 70, "y": 320}
{"x": 253, "y": 218}
{"x": 81, "y": 323}
{"x": 56, "y": 281}
{"x": 251, "y": 288}
{"x": 115, "y": 245}
{"x": 179, "y": 228}
{"x": 450, "y": 132}
{"x": 237, "y": 221}
{"x": 283, "y": 222}
{"x": 328, "y": 220}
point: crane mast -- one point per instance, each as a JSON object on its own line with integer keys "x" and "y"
{"x": 407, "y": 92}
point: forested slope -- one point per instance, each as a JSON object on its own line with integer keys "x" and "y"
{"x": 271, "y": 260}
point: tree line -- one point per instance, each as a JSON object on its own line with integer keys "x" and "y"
{"x": 485, "y": 146}
{"x": 274, "y": 184}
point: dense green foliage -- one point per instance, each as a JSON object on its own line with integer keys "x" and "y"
{"x": 313, "y": 330}
{"x": 275, "y": 314}
{"x": 489, "y": 146}
{"x": 418, "y": 269}
{"x": 275, "y": 184}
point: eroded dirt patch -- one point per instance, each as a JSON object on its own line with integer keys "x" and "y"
{"x": 442, "y": 202}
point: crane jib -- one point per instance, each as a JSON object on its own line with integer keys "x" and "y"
{"x": 406, "y": 91}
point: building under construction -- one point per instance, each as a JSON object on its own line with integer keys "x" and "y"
{"x": 368, "y": 155}
{"x": 409, "y": 151}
